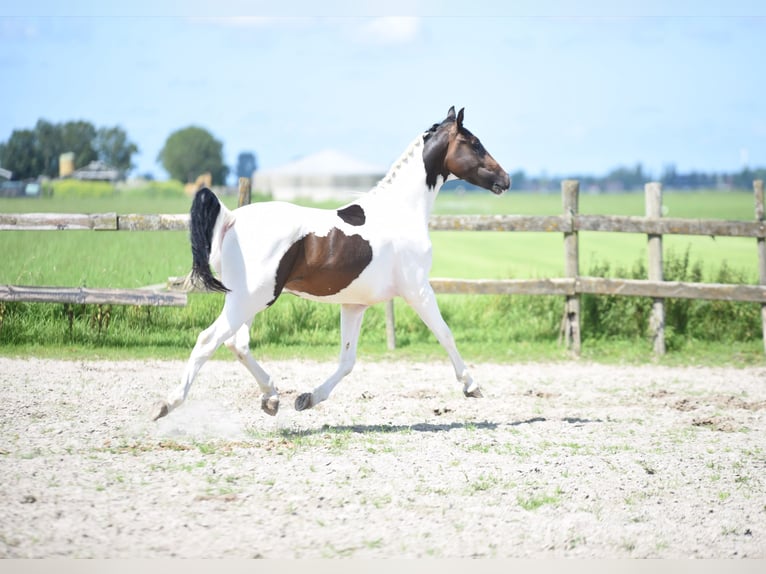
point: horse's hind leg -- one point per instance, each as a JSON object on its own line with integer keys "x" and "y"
{"x": 424, "y": 304}
{"x": 350, "y": 323}
{"x": 208, "y": 341}
{"x": 239, "y": 344}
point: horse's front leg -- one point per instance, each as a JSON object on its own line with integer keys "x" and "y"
{"x": 350, "y": 324}
{"x": 425, "y": 305}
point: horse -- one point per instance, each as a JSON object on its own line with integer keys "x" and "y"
{"x": 366, "y": 252}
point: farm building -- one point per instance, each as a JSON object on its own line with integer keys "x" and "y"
{"x": 10, "y": 188}
{"x": 96, "y": 171}
{"x": 328, "y": 174}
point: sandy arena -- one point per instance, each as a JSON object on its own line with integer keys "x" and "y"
{"x": 558, "y": 460}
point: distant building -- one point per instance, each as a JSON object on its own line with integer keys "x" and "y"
{"x": 328, "y": 174}
{"x": 96, "y": 171}
{"x": 66, "y": 164}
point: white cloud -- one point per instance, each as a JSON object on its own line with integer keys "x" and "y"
{"x": 389, "y": 30}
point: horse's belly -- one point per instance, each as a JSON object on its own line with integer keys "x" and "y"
{"x": 361, "y": 291}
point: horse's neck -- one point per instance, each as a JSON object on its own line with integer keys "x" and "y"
{"x": 405, "y": 182}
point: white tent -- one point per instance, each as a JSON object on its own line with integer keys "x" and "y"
{"x": 328, "y": 174}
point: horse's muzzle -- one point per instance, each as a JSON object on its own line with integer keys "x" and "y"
{"x": 498, "y": 189}
{"x": 502, "y": 185}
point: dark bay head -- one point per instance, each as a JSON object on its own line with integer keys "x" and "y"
{"x": 450, "y": 148}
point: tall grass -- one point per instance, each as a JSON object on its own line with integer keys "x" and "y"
{"x": 686, "y": 320}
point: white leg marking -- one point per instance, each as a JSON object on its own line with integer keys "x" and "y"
{"x": 350, "y": 324}
{"x": 239, "y": 344}
{"x": 207, "y": 343}
{"x": 425, "y": 305}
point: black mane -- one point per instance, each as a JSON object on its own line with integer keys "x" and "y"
{"x": 430, "y": 131}
{"x": 434, "y": 152}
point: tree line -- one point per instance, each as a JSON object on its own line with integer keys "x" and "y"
{"x": 31, "y": 153}
{"x": 192, "y": 151}
{"x": 187, "y": 153}
{"x": 633, "y": 179}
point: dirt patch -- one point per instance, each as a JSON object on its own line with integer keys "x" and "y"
{"x": 718, "y": 423}
{"x": 717, "y": 401}
{"x": 558, "y": 460}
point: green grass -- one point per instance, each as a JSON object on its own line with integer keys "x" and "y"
{"x": 534, "y": 255}
{"x": 93, "y": 259}
{"x": 474, "y": 255}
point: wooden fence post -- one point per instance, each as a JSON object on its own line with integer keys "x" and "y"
{"x": 244, "y": 191}
{"x": 570, "y": 323}
{"x": 390, "y": 326}
{"x": 653, "y": 202}
{"x": 759, "y": 216}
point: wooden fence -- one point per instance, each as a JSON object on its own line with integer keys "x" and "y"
{"x": 100, "y": 222}
{"x": 569, "y": 224}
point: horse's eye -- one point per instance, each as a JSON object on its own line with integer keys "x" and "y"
{"x": 476, "y": 144}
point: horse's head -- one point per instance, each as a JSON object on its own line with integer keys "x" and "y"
{"x": 450, "y": 149}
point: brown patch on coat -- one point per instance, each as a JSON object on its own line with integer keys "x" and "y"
{"x": 322, "y": 266}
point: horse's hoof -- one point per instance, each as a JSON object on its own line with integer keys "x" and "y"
{"x": 304, "y": 402}
{"x": 160, "y": 410}
{"x": 270, "y": 405}
{"x": 474, "y": 393}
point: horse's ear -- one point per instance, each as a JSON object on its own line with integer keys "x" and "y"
{"x": 451, "y": 113}
{"x": 460, "y": 118}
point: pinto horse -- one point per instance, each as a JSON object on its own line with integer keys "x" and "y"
{"x": 366, "y": 252}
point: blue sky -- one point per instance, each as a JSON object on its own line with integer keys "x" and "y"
{"x": 560, "y": 88}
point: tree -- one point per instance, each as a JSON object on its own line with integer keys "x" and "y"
{"x": 19, "y": 155}
{"x": 113, "y": 148}
{"x": 518, "y": 180}
{"x": 192, "y": 151}
{"x": 627, "y": 178}
{"x": 246, "y": 164}
{"x": 30, "y": 153}
{"x": 78, "y": 137}
{"x": 49, "y": 146}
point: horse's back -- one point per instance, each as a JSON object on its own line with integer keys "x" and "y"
{"x": 262, "y": 228}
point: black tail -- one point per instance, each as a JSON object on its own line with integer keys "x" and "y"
{"x": 204, "y": 212}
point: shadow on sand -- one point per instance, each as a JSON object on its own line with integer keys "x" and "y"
{"x": 425, "y": 427}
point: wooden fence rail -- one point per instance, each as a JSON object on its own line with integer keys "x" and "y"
{"x": 540, "y": 223}
{"x": 91, "y": 296}
{"x": 569, "y": 223}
